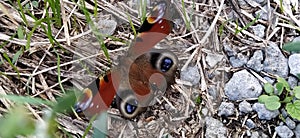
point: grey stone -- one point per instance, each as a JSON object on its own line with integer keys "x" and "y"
{"x": 275, "y": 62}
{"x": 226, "y": 109}
{"x": 259, "y": 134}
{"x": 238, "y": 61}
{"x": 243, "y": 3}
{"x": 260, "y": 1}
{"x": 229, "y": 51}
{"x": 245, "y": 107}
{"x": 297, "y": 131}
{"x": 242, "y": 85}
{"x": 284, "y": 132}
{"x": 191, "y": 74}
{"x": 283, "y": 112}
{"x": 250, "y": 124}
{"x": 255, "y": 61}
{"x": 204, "y": 111}
{"x": 294, "y": 64}
{"x": 259, "y": 30}
{"x": 248, "y": 132}
{"x": 106, "y": 27}
{"x": 213, "y": 59}
{"x": 264, "y": 113}
{"x": 214, "y": 128}
{"x": 292, "y": 81}
{"x": 290, "y": 123}
{"x": 212, "y": 90}
{"x": 254, "y": 134}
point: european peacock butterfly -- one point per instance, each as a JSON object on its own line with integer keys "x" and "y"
{"x": 139, "y": 73}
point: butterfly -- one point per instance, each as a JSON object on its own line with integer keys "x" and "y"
{"x": 139, "y": 74}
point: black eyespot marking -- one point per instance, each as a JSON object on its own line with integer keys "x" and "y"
{"x": 105, "y": 78}
{"x": 153, "y": 59}
{"x": 146, "y": 26}
{"x": 130, "y": 108}
{"x": 166, "y": 64}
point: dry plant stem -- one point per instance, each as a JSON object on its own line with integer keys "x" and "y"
{"x": 206, "y": 34}
{"x": 45, "y": 86}
{"x": 179, "y": 8}
{"x": 118, "y": 13}
{"x": 5, "y": 37}
{"x": 5, "y": 11}
{"x": 61, "y": 65}
{"x": 65, "y": 20}
{"x": 5, "y": 102}
{"x": 258, "y": 77}
{"x": 192, "y": 32}
{"x": 281, "y": 37}
{"x": 273, "y": 33}
{"x": 122, "y": 131}
{"x": 203, "y": 80}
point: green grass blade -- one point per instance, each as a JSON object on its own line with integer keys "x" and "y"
{"x": 11, "y": 64}
{"x": 22, "y": 14}
{"x": 131, "y": 25}
{"x": 247, "y": 25}
{"x": 58, "y": 72}
{"x": 26, "y": 99}
{"x": 187, "y": 22}
{"x": 94, "y": 29}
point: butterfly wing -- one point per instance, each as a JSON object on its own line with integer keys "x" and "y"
{"x": 99, "y": 94}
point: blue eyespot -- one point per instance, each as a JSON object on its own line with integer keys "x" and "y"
{"x": 166, "y": 64}
{"x": 131, "y": 108}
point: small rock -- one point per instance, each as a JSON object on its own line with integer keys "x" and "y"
{"x": 264, "y": 113}
{"x": 242, "y": 85}
{"x": 213, "y": 59}
{"x": 260, "y": 1}
{"x": 294, "y": 62}
{"x": 106, "y": 27}
{"x": 238, "y": 61}
{"x": 255, "y": 61}
{"x": 243, "y": 4}
{"x": 226, "y": 109}
{"x": 212, "y": 90}
{"x": 297, "y": 131}
{"x": 259, "y": 134}
{"x": 254, "y": 134}
{"x": 191, "y": 74}
{"x": 204, "y": 111}
{"x": 259, "y": 30}
{"x": 250, "y": 124}
{"x": 245, "y": 107}
{"x": 214, "y": 128}
{"x": 248, "y": 132}
{"x": 229, "y": 51}
{"x": 283, "y": 112}
{"x": 284, "y": 132}
{"x": 292, "y": 81}
{"x": 275, "y": 62}
{"x": 290, "y": 123}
